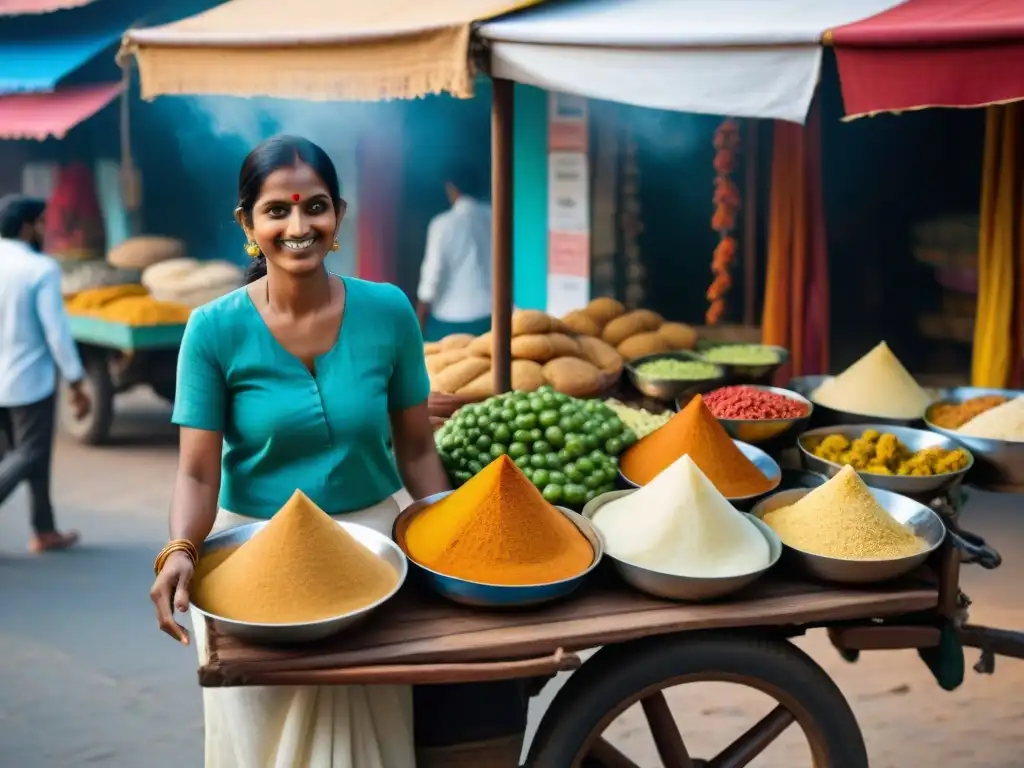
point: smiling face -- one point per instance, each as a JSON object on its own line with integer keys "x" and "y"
{"x": 294, "y": 220}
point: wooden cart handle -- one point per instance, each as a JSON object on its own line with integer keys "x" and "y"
{"x": 406, "y": 674}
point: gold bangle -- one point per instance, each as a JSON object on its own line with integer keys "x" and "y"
{"x": 178, "y": 545}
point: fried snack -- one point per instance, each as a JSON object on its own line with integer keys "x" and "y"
{"x": 431, "y": 348}
{"x": 456, "y": 341}
{"x": 482, "y": 386}
{"x": 601, "y": 354}
{"x": 527, "y": 375}
{"x": 533, "y": 346}
{"x": 630, "y": 324}
{"x": 457, "y": 375}
{"x": 559, "y": 326}
{"x": 441, "y": 360}
{"x": 604, "y": 310}
{"x": 580, "y": 322}
{"x": 530, "y": 321}
{"x": 564, "y": 346}
{"x": 678, "y": 335}
{"x": 481, "y": 345}
{"x": 574, "y": 377}
{"x": 649, "y": 343}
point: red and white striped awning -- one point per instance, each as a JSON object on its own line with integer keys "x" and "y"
{"x": 762, "y": 58}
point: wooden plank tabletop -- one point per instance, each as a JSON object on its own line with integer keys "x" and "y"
{"x": 418, "y": 629}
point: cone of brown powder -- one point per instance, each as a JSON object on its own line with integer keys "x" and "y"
{"x": 301, "y": 567}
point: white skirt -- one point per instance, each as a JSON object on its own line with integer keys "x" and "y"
{"x": 325, "y": 726}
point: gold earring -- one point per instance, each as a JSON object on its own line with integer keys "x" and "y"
{"x": 336, "y": 246}
{"x": 252, "y": 249}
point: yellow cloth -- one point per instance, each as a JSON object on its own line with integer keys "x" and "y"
{"x": 1000, "y": 245}
{"x": 338, "y": 726}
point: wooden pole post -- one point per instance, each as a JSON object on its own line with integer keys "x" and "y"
{"x": 501, "y": 235}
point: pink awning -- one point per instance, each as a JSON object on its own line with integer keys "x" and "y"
{"x": 932, "y": 53}
{"x": 41, "y": 115}
{"x": 20, "y": 7}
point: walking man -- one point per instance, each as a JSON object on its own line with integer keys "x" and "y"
{"x": 35, "y": 341}
{"x": 455, "y": 278}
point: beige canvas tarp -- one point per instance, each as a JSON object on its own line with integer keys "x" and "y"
{"x": 365, "y": 50}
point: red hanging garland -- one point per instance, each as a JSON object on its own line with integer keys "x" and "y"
{"x": 723, "y": 221}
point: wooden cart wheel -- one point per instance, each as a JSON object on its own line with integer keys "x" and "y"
{"x": 571, "y": 734}
{"x": 94, "y": 429}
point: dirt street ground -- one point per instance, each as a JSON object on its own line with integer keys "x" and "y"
{"x": 86, "y": 679}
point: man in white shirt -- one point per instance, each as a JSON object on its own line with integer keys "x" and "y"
{"x": 35, "y": 341}
{"x": 455, "y": 278}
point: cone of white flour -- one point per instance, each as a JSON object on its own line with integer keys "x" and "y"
{"x": 680, "y": 524}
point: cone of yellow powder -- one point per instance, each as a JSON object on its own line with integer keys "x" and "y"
{"x": 876, "y": 385}
{"x": 300, "y": 567}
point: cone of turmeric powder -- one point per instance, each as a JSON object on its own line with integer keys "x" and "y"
{"x": 301, "y": 567}
{"x": 498, "y": 529}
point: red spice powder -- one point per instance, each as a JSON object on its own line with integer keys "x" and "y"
{"x": 740, "y": 402}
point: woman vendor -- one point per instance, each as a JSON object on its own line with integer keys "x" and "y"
{"x": 300, "y": 379}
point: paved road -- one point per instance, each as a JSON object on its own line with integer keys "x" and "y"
{"x": 85, "y": 678}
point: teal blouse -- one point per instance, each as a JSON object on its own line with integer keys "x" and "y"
{"x": 284, "y": 428}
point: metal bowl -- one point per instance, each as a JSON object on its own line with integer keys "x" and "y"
{"x": 480, "y": 595}
{"x": 688, "y": 588}
{"x": 768, "y": 466}
{"x": 750, "y": 373}
{"x": 672, "y": 389}
{"x": 914, "y": 439}
{"x": 770, "y": 432}
{"x": 305, "y": 632}
{"x": 923, "y": 521}
{"x": 824, "y": 416}
{"x": 997, "y": 463}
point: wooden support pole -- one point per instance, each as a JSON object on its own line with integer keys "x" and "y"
{"x": 501, "y": 235}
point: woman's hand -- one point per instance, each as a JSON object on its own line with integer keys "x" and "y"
{"x": 170, "y": 593}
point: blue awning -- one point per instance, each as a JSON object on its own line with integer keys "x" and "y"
{"x": 37, "y": 52}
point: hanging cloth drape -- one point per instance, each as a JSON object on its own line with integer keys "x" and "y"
{"x": 1000, "y": 249}
{"x": 796, "y": 312}
{"x": 379, "y": 189}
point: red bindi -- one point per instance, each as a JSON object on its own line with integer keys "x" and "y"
{"x": 296, "y": 198}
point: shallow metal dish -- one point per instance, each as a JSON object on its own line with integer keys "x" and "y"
{"x": 480, "y": 595}
{"x": 920, "y": 519}
{"x": 825, "y": 416}
{"x": 771, "y": 432}
{"x": 914, "y": 439}
{"x": 999, "y": 464}
{"x": 306, "y": 632}
{"x": 750, "y": 373}
{"x": 768, "y": 466}
{"x": 688, "y": 588}
{"x": 672, "y": 389}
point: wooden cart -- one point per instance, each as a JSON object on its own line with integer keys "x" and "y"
{"x": 116, "y": 358}
{"x": 647, "y": 645}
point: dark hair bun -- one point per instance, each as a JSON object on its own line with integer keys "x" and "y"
{"x": 257, "y": 268}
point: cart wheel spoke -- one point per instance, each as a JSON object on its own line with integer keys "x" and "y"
{"x": 667, "y": 738}
{"x": 755, "y": 741}
{"x": 604, "y": 754}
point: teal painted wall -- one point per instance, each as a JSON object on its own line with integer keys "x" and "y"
{"x": 530, "y": 198}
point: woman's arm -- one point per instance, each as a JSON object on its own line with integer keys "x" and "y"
{"x": 196, "y": 485}
{"x": 418, "y": 462}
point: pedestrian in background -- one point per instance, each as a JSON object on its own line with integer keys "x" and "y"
{"x": 35, "y": 341}
{"x": 455, "y": 278}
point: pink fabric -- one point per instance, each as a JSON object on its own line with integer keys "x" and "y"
{"x": 19, "y": 7}
{"x": 380, "y": 185}
{"x": 41, "y": 115}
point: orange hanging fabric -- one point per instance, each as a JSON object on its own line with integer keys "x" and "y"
{"x": 1000, "y": 249}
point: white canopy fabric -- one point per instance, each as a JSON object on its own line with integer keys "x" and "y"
{"x": 746, "y": 58}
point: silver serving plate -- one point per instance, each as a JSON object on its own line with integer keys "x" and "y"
{"x": 672, "y": 389}
{"x": 998, "y": 463}
{"x": 775, "y": 432}
{"x": 825, "y": 416}
{"x": 479, "y": 595}
{"x": 768, "y": 466}
{"x": 686, "y": 588}
{"x": 751, "y": 373}
{"x": 920, "y": 519}
{"x": 914, "y": 439}
{"x": 305, "y": 632}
